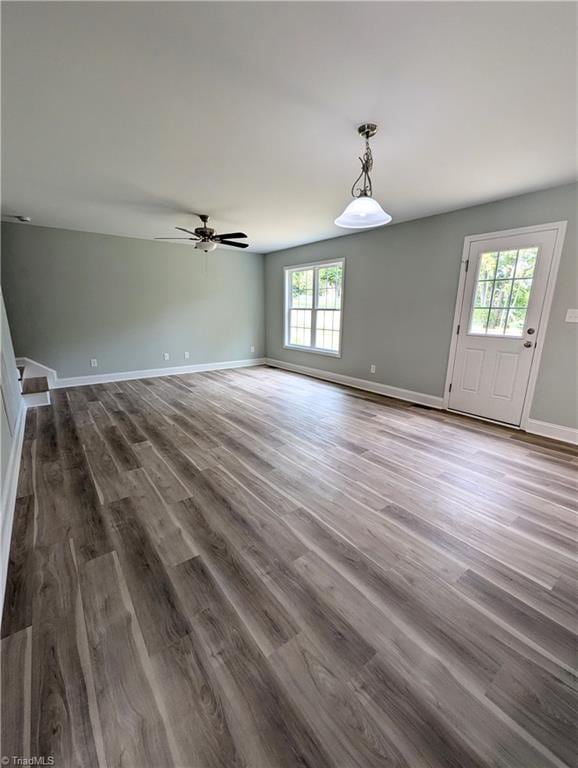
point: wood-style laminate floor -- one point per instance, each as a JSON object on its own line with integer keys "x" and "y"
{"x": 254, "y": 568}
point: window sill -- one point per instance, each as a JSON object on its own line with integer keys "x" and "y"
{"x": 312, "y": 350}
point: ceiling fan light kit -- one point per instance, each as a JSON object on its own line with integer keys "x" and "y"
{"x": 205, "y": 246}
{"x": 363, "y": 212}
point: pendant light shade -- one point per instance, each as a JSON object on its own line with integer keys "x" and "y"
{"x": 363, "y": 212}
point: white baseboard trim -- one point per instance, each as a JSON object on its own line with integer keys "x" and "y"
{"x": 554, "y": 431}
{"x": 103, "y": 378}
{"x": 432, "y": 401}
{"x": 8, "y": 501}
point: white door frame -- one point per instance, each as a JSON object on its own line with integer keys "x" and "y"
{"x": 560, "y": 228}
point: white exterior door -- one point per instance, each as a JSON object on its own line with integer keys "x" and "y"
{"x": 499, "y": 324}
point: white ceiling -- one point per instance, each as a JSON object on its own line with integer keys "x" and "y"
{"x": 125, "y": 117}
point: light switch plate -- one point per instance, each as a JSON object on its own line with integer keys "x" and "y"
{"x": 572, "y": 316}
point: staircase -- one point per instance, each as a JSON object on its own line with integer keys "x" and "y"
{"x": 35, "y": 389}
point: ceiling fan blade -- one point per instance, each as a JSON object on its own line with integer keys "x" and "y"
{"x": 175, "y": 238}
{"x": 182, "y": 229}
{"x": 230, "y": 242}
{"x": 229, "y": 236}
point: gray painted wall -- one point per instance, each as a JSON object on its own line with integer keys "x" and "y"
{"x": 400, "y": 293}
{"x": 72, "y": 296}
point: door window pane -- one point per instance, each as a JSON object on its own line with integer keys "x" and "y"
{"x": 515, "y": 322}
{"x": 484, "y": 290}
{"x": 488, "y": 263}
{"x": 521, "y": 293}
{"x": 526, "y": 262}
{"x": 501, "y": 294}
{"x": 496, "y": 322}
{"x": 504, "y": 286}
{"x": 479, "y": 320}
{"x": 506, "y": 264}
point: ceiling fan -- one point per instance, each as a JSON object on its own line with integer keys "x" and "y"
{"x": 206, "y": 239}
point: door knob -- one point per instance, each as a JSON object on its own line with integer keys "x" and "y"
{"x": 527, "y": 343}
{"x": 531, "y": 331}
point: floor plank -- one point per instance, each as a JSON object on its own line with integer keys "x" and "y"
{"x": 160, "y": 614}
{"x": 16, "y": 653}
{"x": 542, "y": 705}
{"x": 134, "y": 732}
{"x": 20, "y": 579}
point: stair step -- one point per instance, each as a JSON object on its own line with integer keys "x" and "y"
{"x": 20, "y": 372}
{"x": 34, "y": 385}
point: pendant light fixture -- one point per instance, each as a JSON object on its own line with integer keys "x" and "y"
{"x": 363, "y": 211}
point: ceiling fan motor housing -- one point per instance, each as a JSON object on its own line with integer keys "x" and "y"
{"x": 205, "y": 232}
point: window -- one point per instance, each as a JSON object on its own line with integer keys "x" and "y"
{"x": 502, "y": 293}
{"x": 313, "y": 307}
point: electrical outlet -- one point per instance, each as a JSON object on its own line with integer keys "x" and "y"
{"x": 166, "y": 356}
{"x": 93, "y": 362}
{"x": 187, "y": 355}
{"x": 372, "y": 368}
{"x": 252, "y": 348}
{"x": 572, "y": 316}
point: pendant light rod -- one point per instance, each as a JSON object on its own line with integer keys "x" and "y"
{"x": 367, "y": 130}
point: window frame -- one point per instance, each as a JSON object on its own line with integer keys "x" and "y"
{"x": 315, "y": 266}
